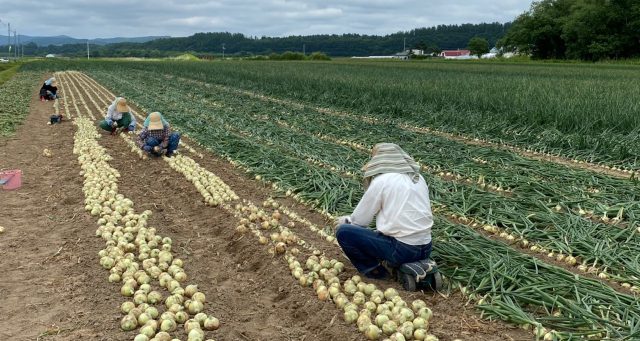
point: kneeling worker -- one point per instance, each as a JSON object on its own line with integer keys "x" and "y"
{"x": 49, "y": 90}
{"x": 156, "y": 137}
{"x": 118, "y": 117}
{"x": 398, "y": 196}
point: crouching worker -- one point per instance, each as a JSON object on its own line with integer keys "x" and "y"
{"x": 398, "y": 196}
{"x": 156, "y": 137}
{"x": 119, "y": 117}
{"x": 49, "y": 90}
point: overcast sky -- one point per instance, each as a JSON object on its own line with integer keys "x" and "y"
{"x": 127, "y": 18}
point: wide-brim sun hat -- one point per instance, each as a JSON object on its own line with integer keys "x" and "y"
{"x": 155, "y": 121}
{"x": 122, "y": 105}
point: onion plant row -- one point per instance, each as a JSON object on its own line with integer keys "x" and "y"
{"x": 16, "y": 94}
{"x": 580, "y": 111}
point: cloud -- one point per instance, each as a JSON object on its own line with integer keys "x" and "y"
{"x": 110, "y": 18}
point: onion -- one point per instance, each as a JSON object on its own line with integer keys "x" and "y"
{"x": 163, "y": 336}
{"x": 200, "y": 317}
{"x": 127, "y": 290}
{"x": 148, "y": 331}
{"x": 430, "y": 337}
{"x": 180, "y": 276}
{"x": 141, "y": 337}
{"x": 154, "y": 297}
{"x": 152, "y": 311}
{"x": 126, "y": 307}
{"x": 358, "y": 298}
{"x": 390, "y": 293}
{"x": 372, "y": 332}
{"x": 168, "y": 325}
{"x": 129, "y": 322}
{"x": 143, "y": 319}
{"x": 389, "y": 327}
{"x": 416, "y": 305}
{"x": 406, "y": 329}
{"x": 363, "y": 322}
{"x": 167, "y": 315}
{"x": 381, "y": 319}
{"x": 195, "y": 335}
{"x": 195, "y": 307}
{"x": 420, "y": 323}
{"x": 211, "y": 323}
{"x": 397, "y": 337}
{"x": 198, "y": 296}
{"x": 140, "y": 298}
{"x": 182, "y": 316}
{"x": 419, "y": 334}
{"x": 425, "y": 313}
{"x": 350, "y": 316}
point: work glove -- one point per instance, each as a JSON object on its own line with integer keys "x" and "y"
{"x": 156, "y": 149}
{"x": 343, "y": 220}
{"x": 132, "y": 128}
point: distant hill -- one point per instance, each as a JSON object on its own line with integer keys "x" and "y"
{"x": 63, "y": 40}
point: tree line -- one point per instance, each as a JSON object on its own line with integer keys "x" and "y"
{"x": 431, "y": 39}
{"x": 577, "y": 29}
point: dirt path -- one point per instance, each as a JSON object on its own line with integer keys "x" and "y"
{"x": 65, "y": 295}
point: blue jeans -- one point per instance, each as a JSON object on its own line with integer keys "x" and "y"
{"x": 174, "y": 140}
{"x": 367, "y": 248}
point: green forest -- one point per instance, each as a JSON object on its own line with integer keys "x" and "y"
{"x": 577, "y": 29}
{"x": 432, "y": 39}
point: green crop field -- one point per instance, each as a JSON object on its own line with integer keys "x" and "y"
{"x": 531, "y": 167}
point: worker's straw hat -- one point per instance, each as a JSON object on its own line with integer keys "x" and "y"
{"x": 54, "y": 83}
{"x": 155, "y": 121}
{"x": 122, "y": 105}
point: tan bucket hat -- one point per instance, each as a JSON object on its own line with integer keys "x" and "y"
{"x": 155, "y": 121}
{"x": 122, "y": 105}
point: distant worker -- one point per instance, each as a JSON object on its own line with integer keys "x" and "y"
{"x": 49, "y": 90}
{"x": 119, "y": 117}
{"x": 398, "y": 196}
{"x": 156, "y": 137}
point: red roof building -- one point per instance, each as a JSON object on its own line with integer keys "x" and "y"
{"x": 455, "y": 53}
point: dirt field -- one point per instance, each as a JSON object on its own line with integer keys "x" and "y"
{"x": 53, "y": 287}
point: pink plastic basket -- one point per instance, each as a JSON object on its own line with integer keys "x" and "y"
{"x": 11, "y": 179}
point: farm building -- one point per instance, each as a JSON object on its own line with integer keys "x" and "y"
{"x": 455, "y": 54}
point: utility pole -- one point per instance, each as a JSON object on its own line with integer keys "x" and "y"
{"x": 404, "y": 44}
{"x": 222, "y": 51}
{"x": 15, "y": 42}
{"x": 304, "y": 49}
{"x": 87, "y": 49}
{"x": 9, "y": 39}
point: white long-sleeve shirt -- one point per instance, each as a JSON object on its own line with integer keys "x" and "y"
{"x": 402, "y": 207}
{"x": 114, "y": 115}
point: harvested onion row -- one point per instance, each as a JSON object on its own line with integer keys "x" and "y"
{"x": 100, "y": 188}
{"x": 63, "y": 101}
{"x": 62, "y": 78}
{"x": 73, "y": 98}
{"x": 98, "y": 88}
{"x": 212, "y": 188}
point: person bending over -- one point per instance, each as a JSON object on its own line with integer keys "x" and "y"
{"x": 119, "y": 117}
{"x": 156, "y": 137}
{"x": 49, "y": 89}
{"x": 398, "y": 197}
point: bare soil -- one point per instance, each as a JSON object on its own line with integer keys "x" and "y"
{"x": 53, "y": 288}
